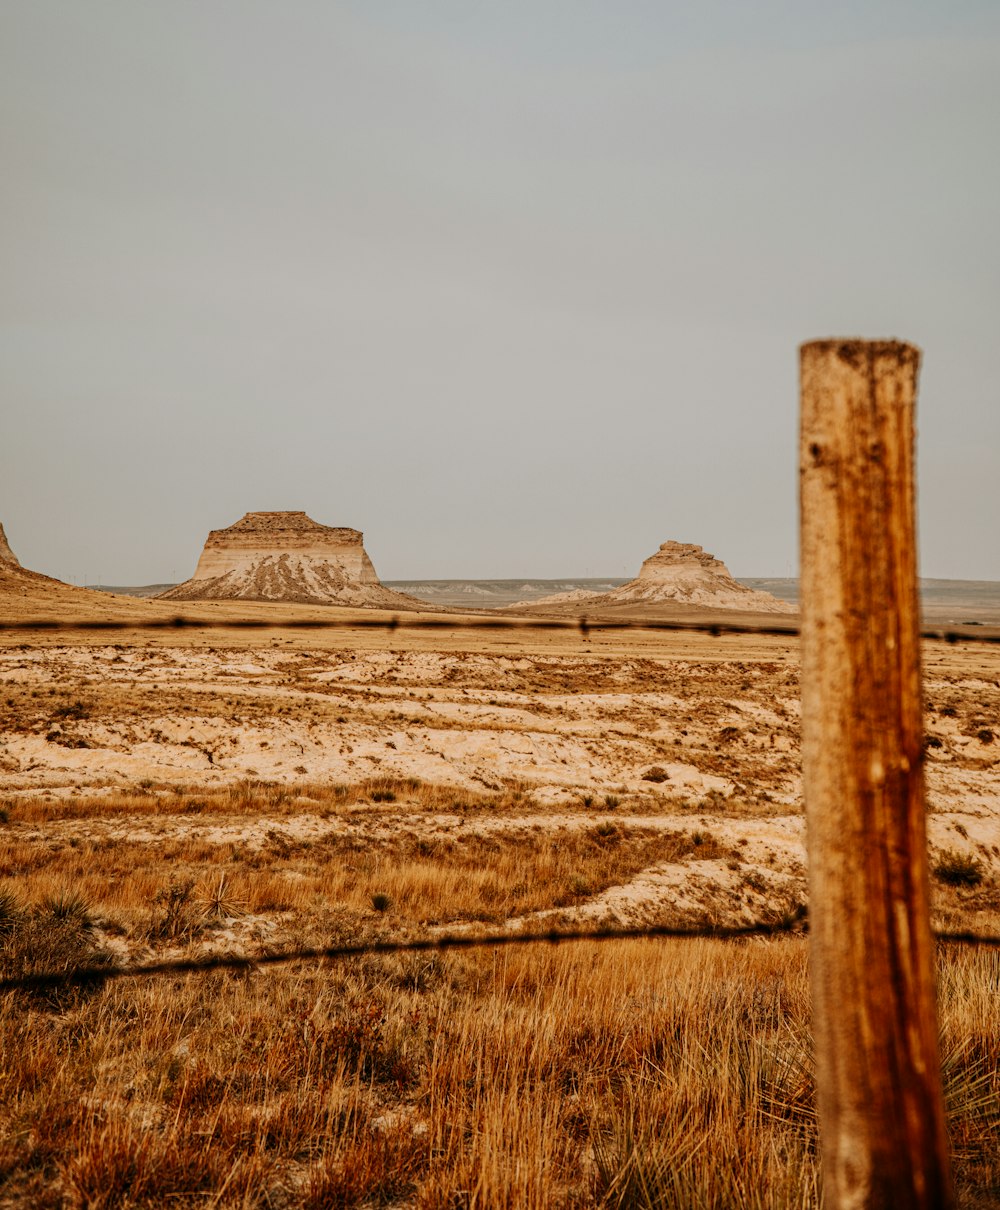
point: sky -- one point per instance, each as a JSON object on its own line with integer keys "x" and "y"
{"x": 514, "y": 286}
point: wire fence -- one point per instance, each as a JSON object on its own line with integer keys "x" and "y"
{"x": 580, "y": 625}
{"x": 793, "y": 924}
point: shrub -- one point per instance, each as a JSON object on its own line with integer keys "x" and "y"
{"x": 11, "y": 911}
{"x": 55, "y": 936}
{"x": 958, "y": 869}
{"x": 216, "y": 900}
{"x": 175, "y": 918}
{"x": 656, "y": 774}
{"x": 580, "y": 886}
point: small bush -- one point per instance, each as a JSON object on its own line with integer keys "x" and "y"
{"x": 580, "y": 886}
{"x": 216, "y": 900}
{"x": 11, "y": 911}
{"x": 174, "y": 913}
{"x": 656, "y": 774}
{"x": 53, "y": 937}
{"x": 958, "y": 869}
{"x": 68, "y": 907}
{"x": 381, "y": 902}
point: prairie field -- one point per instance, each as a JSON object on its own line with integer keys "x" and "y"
{"x": 212, "y": 792}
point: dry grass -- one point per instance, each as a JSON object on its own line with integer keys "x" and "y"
{"x": 177, "y": 887}
{"x": 648, "y": 1074}
{"x": 640, "y": 1074}
{"x": 255, "y": 797}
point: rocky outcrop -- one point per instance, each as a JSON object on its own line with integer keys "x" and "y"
{"x": 286, "y": 556}
{"x": 22, "y": 581}
{"x": 7, "y": 556}
{"x": 682, "y": 572}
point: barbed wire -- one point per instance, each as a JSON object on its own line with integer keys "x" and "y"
{"x": 794, "y": 924}
{"x": 39, "y": 981}
{"x": 582, "y": 625}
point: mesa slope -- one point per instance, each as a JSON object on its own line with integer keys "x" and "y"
{"x": 679, "y": 576}
{"x": 287, "y": 556}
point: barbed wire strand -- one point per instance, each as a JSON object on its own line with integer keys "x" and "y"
{"x": 460, "y": 941}
{"x": 793, "y": 924}
{"x": 582, "y": 625}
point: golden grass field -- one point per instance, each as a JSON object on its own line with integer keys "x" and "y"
{"x": 175, "y": 794}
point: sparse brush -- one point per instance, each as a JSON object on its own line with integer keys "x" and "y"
{"x": 68, "y": 906}
{"x": 216, "y": 900}
{"x": 958, "y": 869}
{"x": 53, "y": 937}
{"x": 11, "y": 911}
{"x": 173, "y": 916}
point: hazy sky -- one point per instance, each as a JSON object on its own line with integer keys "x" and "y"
{"x": 514, "y": 287}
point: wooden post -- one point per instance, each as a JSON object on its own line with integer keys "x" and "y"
{"x": 882, "y": 1127}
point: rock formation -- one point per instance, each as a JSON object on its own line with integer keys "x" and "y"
{"x": 7, "y": 556}
{"x": 287, "y": 556}
{"x": 19, "y": 581}
{"x": 681, "y": 572}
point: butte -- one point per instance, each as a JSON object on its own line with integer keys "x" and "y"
{"x": 679, "y": 573}
{"x": 286, "y": 556}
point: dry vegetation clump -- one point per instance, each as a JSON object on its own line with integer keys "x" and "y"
{"x": 54, "y": 935}
{"x": 958, "y": 869}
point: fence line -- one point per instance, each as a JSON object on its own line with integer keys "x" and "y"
{"x": 582, "y": 625}
{"x": 795, "y": 924}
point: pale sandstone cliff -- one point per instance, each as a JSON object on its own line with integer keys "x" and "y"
{"x": 7, "y": 556}
{"x": 20, "y": 582}
{"x": 679, "y": 571}
{"x": 286, "y": 556}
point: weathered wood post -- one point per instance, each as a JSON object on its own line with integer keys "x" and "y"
{"x": 882, "y": 1128}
